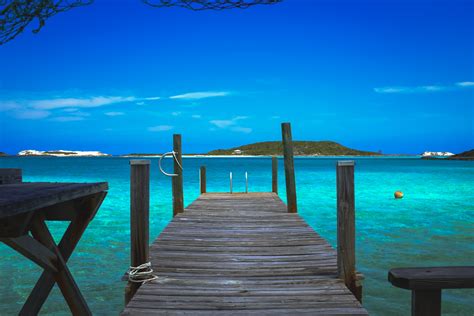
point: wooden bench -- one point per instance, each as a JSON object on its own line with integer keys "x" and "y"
{"x": 426, "y": 285}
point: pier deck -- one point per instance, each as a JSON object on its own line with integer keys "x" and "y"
{"x": 242, "y": 254}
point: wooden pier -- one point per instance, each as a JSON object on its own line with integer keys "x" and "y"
{"x": 242, "y": 254}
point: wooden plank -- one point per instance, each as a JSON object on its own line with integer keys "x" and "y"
{"x": 433, "y": 278}
{"x": 139, "y": 218}
{"x": 177, "y": 182}
{"x": 28, "y": 196}
{"x": 33, "y": 250}
{"x": 10, "y": 176}
{"x": 289, "y": 167}
{"x": 242, "y": 254}
{"x": 202, "y": 172}
{"x": 275, "y": 175}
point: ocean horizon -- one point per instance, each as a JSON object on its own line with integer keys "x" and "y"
{"x": 432, "y": 225}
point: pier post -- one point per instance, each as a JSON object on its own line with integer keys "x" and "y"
{"x": 139, "y": 218}
{"x": 177, "y": 182}
{"x": 346, "y": 227}
{"x": 289, "y": 167}
{"x": 275, "y": 175}
{"x": 203, "y": 179}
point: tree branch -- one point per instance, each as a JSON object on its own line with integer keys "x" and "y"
{"x": 15, "y": 15}
{"x": 198, "y": 5}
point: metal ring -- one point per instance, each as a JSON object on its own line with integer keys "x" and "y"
{"x": 175, "y": 158}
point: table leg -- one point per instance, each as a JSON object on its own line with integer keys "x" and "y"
{"x": 63, "y": 277}
{"x": 68, "y": 243}
{"x": 426, "y": 302}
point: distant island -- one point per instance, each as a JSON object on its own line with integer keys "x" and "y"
{"x": 271, "y": 148}
{"x": 466, "y": 155}
{"x": 300, "y": 148}
{"x": 436, "y": 154}
{"x": 62, "y": 153}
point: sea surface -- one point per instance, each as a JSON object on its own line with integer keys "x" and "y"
{"x": 432, "y": 225}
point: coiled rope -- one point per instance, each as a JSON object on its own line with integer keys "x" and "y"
{"x": 141, "y": 274}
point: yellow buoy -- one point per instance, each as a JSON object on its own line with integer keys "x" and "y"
{"x": 398, "y": 194}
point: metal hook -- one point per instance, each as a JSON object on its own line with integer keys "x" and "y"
{"x": 175, "y": 159}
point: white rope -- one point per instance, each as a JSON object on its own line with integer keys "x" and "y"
{"x": 141, "y": 274}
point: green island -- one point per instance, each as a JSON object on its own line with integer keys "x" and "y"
{"x": 466, "y": 155}
{"x": 301, "y": 148}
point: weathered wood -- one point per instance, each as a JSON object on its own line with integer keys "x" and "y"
{"x": 27, "y": 196}
{"x": 33, "y": 250}
{"x": 432, "y": 278}
{"x": 139, "y": 218}
{"x": 242, "y": 254}
{"x": 67, "y": 285}
{"x": 10, "y": 176}
{"x": 203, "y": 179}
{"x": 346, "y": 225}
{"x": 177, "y": 182}
{"x": 426, "y": 303}
{"x": 16, "y": 225}
{"x": 426, "y": 284}
{"x": 68, "y": 243}
{"x": 289, "y": 167}
{"x": 275, "y": 175}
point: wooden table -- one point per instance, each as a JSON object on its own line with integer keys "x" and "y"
{"x": 24, "y": 208}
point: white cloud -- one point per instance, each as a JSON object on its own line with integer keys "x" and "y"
{"x": 176, "y": 113}
{"x": 222, "y": 123}
{"x": 465, "y": 84}
{"x": 160, "y": 128}
{"x": 196, "y": 116}
{"x": 232, "y": 124}
{"x": 240, "y": 129}
{"x": 200, "y": 95}
{"x": 389, "y": 90}
{"x": 41, "y": 108}
{"x": 67, "y": 118}
{"x": 9, "y": 105}
{"x": 79, "y": 113}
{"x": 114, "y": 113}
{"x": 31, "y": 114}
{"x": 50, "y": 104}
{"x": 227, "y": 123}
{"x": 422, "y": 89}
{"x": 274, "y": 117}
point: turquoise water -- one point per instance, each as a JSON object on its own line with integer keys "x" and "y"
{"x": 432, "y": 225}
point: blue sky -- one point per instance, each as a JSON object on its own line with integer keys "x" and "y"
{"x": 121, "y": 77}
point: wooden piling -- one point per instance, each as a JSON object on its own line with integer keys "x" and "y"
{"x": 346, "y": 227}
{"x": 177, "y": 181}
{"x": 275, "y": 175}
{"x": 139, "y": 218}
{"x": 289, "y": 168}
{"x": 203, "y": 179}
